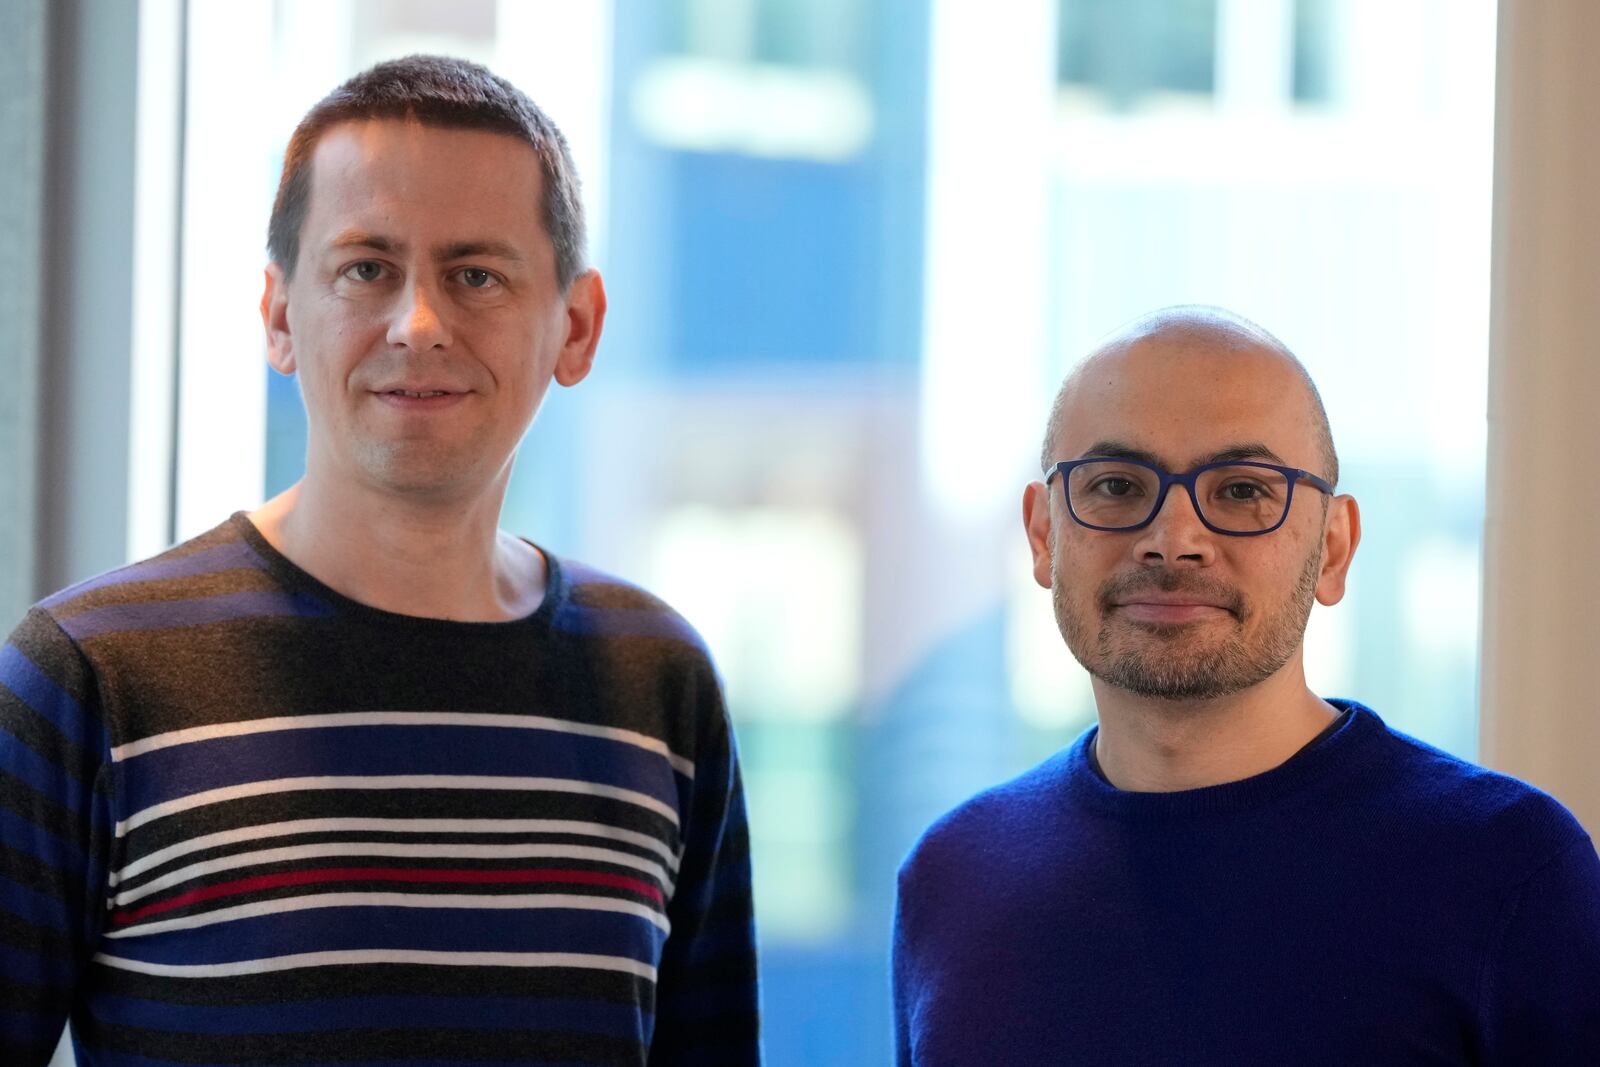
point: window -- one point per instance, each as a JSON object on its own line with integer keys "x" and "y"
{"x": 804, "y": 212}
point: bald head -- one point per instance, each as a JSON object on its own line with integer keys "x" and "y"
{"x": 1207, "y": 346}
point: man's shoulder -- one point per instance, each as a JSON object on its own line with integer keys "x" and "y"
{"x": 1019, "y": 809}
{"x": 164, "y": 576}
{"x": 639, "y": 651}
{"x": 220, "y": 561}
{"x": 1470, "y": 808}
{"x": 53, "y": 652}
{"x": 594, "y": 603}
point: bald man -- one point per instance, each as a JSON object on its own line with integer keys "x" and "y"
{"x": 1229, "y": 869}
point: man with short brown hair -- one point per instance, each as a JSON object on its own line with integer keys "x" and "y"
{"x": 358, "y": 776}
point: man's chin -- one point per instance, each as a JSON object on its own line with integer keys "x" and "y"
{"x": 1168, "y": 631}
{"x": 423, "y": 486}
{"x": 424, "y": 470}
{"x": 1193, "y": 696}
{"x": 1171, "y": 662}
{"x": 1120, "y": 632}
{"x": 1187, "y": 682}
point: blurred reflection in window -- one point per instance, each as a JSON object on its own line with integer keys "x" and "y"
{"x": 1138, "y": 53}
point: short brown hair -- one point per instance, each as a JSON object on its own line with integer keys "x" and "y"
{"x": 444, "y": 92}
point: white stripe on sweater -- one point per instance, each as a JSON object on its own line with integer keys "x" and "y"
{"x": 392, "y": 781}
{"x": 399, "y": 718}
{"x": 491, "y": 902}
{"x": 395, "y": 826}
{"x": 370, "y": 956}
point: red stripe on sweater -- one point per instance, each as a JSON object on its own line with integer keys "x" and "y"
{"x": 386, "y": 874}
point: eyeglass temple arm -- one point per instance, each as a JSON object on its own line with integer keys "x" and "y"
{"x": 1320, "y": 483}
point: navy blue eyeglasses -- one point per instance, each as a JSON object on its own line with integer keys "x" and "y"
{"x": 1237, "y": 498}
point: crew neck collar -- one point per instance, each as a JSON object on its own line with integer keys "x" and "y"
{"x": 1334, "y": 748}
{"x": 294, "y": 576}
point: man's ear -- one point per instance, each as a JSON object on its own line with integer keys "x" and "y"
{"x": 586, "y": 314}
{"x": 1036, "y": 524}
{"x": 275, "y": 319}
{"x": 1341, "y": 533}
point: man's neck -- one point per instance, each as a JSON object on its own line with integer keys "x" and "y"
{"x": 1148, "y": 745}
{"x": 441, "y": 560}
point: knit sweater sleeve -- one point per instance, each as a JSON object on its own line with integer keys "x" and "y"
{"x": 55, "y": 830}
{"x": 707, "y": 1002}
{"x": 1541, "y": 989}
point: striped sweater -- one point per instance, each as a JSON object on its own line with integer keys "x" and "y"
{"x": 245, "y": 819}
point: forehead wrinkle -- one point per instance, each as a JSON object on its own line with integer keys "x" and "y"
{"x": 1243, "y": 451}
{"x": 443, "y": 251}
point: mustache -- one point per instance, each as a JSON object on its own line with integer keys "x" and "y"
{"x": 1166, "y": 580}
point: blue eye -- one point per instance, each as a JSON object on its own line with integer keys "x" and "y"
{"x": 477, "y": 278}
{"x": 368, "y": 270}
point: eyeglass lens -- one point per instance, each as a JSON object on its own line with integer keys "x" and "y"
{"x": 1241, "y": 499}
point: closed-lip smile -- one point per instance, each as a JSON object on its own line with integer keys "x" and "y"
{"x": 1157, "y": 606}
{"x": 1155, "y": 596}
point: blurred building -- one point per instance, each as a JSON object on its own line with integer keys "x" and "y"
{"x": 851, "y": 247}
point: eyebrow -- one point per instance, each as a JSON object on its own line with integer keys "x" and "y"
{"x": 1247, "y": 450}
{"x": 454, "y": 250}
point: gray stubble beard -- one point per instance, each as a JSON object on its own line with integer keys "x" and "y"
{"x": 1159, "y": 670}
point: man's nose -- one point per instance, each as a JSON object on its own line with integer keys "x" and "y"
{"x": 418, "y": 322}
{"x": 1176, "y": 534}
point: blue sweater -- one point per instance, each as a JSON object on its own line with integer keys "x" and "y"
{"x": 1371, "y": 901}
